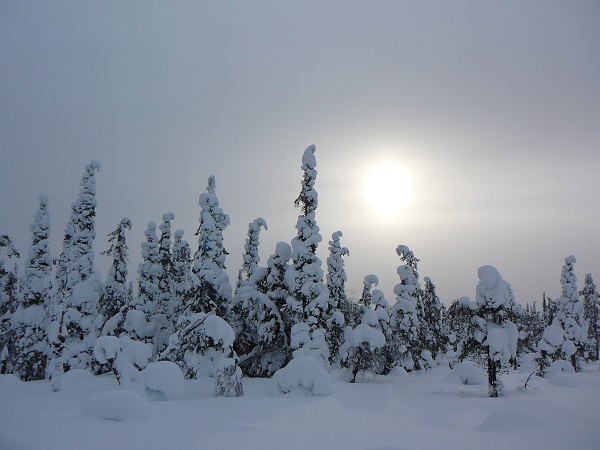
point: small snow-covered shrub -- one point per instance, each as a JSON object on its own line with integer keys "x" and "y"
{"x": 116, "y": 405}
{"x": 302, "y": 375}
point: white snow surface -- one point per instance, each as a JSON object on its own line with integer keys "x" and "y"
{"x": 415, "y": 410}
{"x": 117, "y": 405}
{"x": 162, "y": 380}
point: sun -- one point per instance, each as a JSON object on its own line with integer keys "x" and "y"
{"x": 388, "y": 188}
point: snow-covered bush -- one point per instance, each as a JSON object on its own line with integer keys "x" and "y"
{"x": 361, "y": 350}
{"x": 303, "y": 375}
{"x": 549, "y": 348}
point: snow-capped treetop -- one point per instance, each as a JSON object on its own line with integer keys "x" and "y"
{"x": 407, "y": 256}
{"x": 251, "y": 257}
{"x": 44, "y": 199}
{"x": 308, "y": 158}
{"x": 370, "y": 280}
{"x": 492, "y": 291}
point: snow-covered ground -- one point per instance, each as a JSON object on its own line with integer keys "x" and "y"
{"x": 431, "y": 410}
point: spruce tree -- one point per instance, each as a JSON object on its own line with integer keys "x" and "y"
{"x": 496, "y": 335}
{"x": 312, "y": 304}
{"x": 182, "y": 264}
{"x": 73, "y": 313}
{"x": 164, "y": 319}
{"x": 9, "y": 284}
{"x": 30, "y": 319}
{"x": 336, "y": 285}
{"x": 116, "y": 292}
{"x": 148, "y": 290}
{"x": 251, "y": 259}
{"x": 433, "y": 336}
{"x": 210, "y": 289}
{"x": 591, "y": 306}
{"x": 405, "y": 322}
{"x": 570, "y": 315}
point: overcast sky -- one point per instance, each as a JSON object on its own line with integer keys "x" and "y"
{"x": 493, "y": 108}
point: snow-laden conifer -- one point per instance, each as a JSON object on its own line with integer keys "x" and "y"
{"x": 279, "y": 292}
{"x": 182, "y": 265}
{"x": 591, "y": 306}
{"x": 570, "y": 315}
{"x": 260, "y": 342}
{"x": 73, "y": 313}
{"x": 364, "y": 342}
{"x": 30, "y": 319}
{"x": 496, "y": 335}
{"x": 164, "y": 318}
{"x": 203, "y": 346}
{"x": 210, "y": 288}
{"x": 460, "y": 328}
{"x": 312, "y": 304}
{"x": 336, "y": 285}
{"x": 251, "y": 258}
{"x": 404, "y": 319}
{"x": 433, "y": 335}
{"x": 9, "y": 285}
{"x": 116, "y": 291}
{"x": 148, "y": 290}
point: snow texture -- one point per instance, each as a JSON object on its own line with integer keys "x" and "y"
{"x": 120, "y": 406}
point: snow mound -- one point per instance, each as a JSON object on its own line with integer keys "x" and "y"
{"x": 116, "y": 405}
{"x": 9, "y": 380}
{"x": 508, "y": 420}
{"x": 468, "y": 373}
{"x": 163, "y": 379}
{"x": 303, "y": 375}
{"x": 564, "y": 381}
{"x": 10, "y": 441}
{"x": 561, "y": 366}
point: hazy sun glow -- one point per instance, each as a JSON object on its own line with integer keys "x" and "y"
{"x": 388, "y": 188}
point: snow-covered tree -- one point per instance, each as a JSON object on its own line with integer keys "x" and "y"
{"x": 336, "y": 285}
{"x": 369, "y": 282}
{"x": 549, "y": 349}
{"x": 182, "y": 265}
{"x": 251, "y": 259}
{"x": 210, "y": 288}
{"x": 164, "y": 319}
{"x": 496, "y": 335}
{"x": 570, "y": 315}
{"x": 9, "y": 284}
{"x": 116, "y": 291}
{"x": 278, "y": 291}
{"x": 433, "y": 336}
{"x": 203, "y": 346}
{"x": 404, "y": 320}
{"x": 73, "y": 313}
{"x": 312, "y": 304}
{"x": 30, "y": 319}
{"x": 460, "y": 326}
{"x": 261, "y": 342}
{"x": 591, "y": 306}
{"x": 361, "y": 352}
